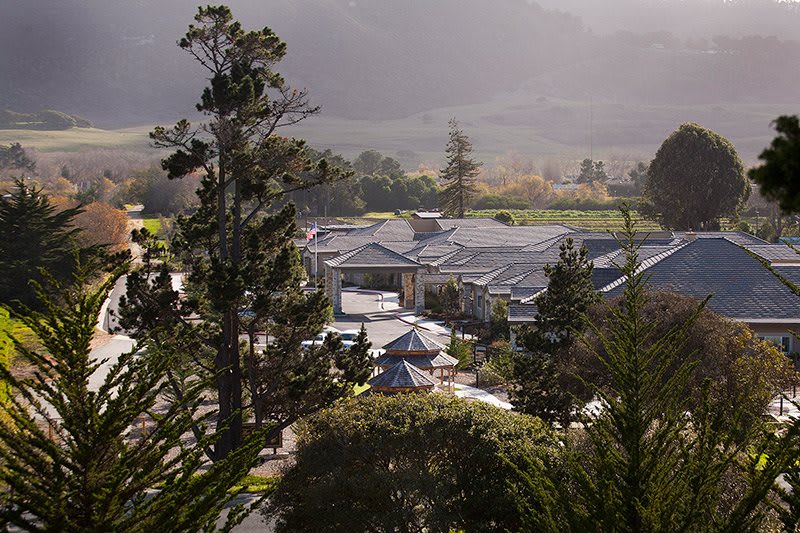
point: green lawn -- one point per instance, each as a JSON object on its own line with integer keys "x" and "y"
{"x": 152, "y": 224}
{"x": 358, "y": 389}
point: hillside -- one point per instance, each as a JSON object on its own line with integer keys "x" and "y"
{"x": 521, "y": 76}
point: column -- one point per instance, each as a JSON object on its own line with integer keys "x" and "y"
{"x": 408, "y": 290}
{"x": 419, "y": 292}
{"x": 333, "y": 287}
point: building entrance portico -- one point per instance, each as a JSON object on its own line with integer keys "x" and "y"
{"x": 371, "y": 259}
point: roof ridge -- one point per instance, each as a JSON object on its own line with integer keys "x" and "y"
{"x": 489, "y": 276}
{"x": 644, "y": 265}
{"x": 339, "y": 259}
{"x": 446, "y": 256}
{"x": 398, "y": 254}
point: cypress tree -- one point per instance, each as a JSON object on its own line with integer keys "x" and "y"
{"x": 459, "y": 174}
{"x": 642, "y": 462}
{"x": 244, "y": 271}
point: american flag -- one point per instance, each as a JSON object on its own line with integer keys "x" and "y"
{"x": 312, "y": 232}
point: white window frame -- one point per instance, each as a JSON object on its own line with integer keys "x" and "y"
{"x": 782, "y": 342}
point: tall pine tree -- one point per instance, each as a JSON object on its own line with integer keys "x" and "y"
{"x": 244, "y": 271}
{"x": 459, "y": 174}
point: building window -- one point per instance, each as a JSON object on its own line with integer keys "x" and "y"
{"x": 782, "y": 342}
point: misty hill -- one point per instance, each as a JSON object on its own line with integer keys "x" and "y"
{"x": 512, "y": 65}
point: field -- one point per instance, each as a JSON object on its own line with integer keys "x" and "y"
{"x": 78, "y": 139}
{"x": 608, "y": 220}
{"x": 152, "y": 224}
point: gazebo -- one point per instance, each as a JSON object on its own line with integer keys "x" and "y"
{"x": 418, "y": 350}
{"x": 402, "y": 377}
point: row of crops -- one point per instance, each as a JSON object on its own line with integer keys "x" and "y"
{"x": 609, "y": 220}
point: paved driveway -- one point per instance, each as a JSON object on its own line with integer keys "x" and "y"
{"x": 383, "y": 325}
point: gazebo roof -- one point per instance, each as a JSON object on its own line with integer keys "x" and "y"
{"x": 413, "y": 342}
{"x": 425, "y": 361}
{"x": 403, "y": 375}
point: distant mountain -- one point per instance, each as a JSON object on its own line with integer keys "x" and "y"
{"x": 116, "y": 63}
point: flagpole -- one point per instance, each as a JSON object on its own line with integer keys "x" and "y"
{"x": 316, "y": 261}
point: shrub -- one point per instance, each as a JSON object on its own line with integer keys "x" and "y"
{"x": 411, "y": 462}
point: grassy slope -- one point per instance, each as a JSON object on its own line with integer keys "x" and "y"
{"x": 539, "y": 128}
{"x": 77, "y": 139}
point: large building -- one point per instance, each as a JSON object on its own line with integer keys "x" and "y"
{"x": 749, "y": 279}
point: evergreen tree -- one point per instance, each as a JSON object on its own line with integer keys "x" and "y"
{"x": 638, "y": 175}
{"x": 641, "y": 462}
{"x": 33, "y": 235}
{"x": 243, "y": 267}
{"x": 778, "y": 176}
{"x": 542, "y": 371}
{"x": 592, "y": 171}
{"x": 14, "y": 157}
{"x": 459, "y": 174}
{"x": 450, "y": 297}
{"x": 113, "y": 457}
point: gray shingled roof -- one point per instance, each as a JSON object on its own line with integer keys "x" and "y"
{"x": 423, "y": 361}
{"x": 371, "y": 255}
{"x": 507, "y": 236}
{"x": 403, "y": 375}
{"x": 740, "y": 285}
{"x": 775, "y": 253}
{"x": 414, "y": 342}
{"x": 522, "y": 312}
{"x": 519, "y": 293}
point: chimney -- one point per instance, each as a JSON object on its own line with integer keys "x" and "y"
{"x": 690, "y": 236}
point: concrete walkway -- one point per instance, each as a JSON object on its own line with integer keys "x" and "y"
{"x": 465, "y": 391}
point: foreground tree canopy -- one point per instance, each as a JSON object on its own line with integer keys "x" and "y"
{"x": 84, "y": 456}
{"x": 412, "y": 462}
{"x": 695, "y": 178}
{"x": 779, "y": 175}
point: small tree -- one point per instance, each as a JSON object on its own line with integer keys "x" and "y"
{"x": 459, "y": 350}
{"x": 450, "y": 297}
{"x": 506, "y": 217}
{"x": 14, "y": 159}
{"x": 459, "y": 174}
{"x": 499, "y": 321}
{"x": 112, "y": 457}
{"x": 542, "y": 372}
